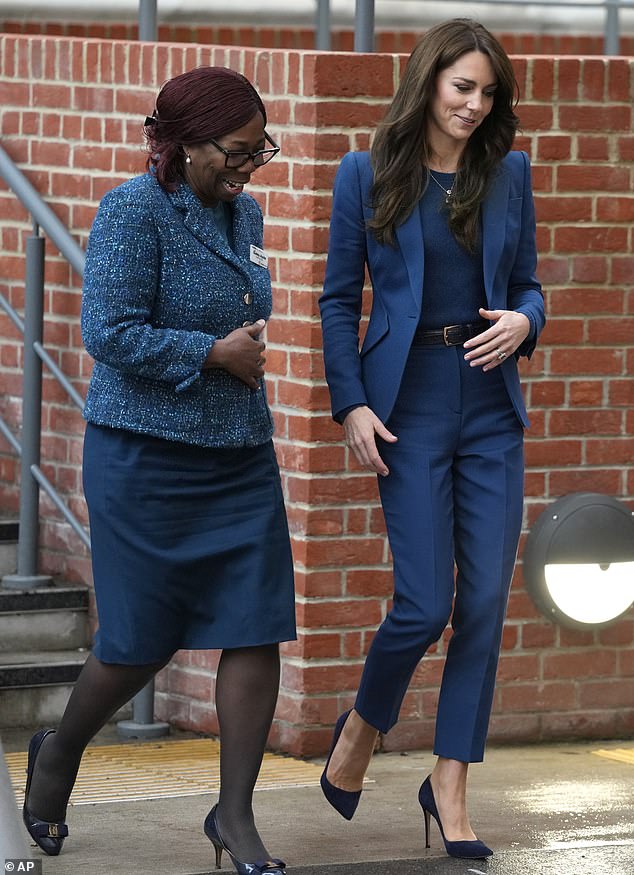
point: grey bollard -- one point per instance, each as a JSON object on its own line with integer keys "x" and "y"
{"x": 143, "y": 724}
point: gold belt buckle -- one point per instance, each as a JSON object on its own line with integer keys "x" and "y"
{"x": 445, "y": 336}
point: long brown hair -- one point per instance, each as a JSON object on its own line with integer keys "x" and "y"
{"x": 400, "y": 152}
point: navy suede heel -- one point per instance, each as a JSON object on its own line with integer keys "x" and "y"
{"x": 472, "y": 850}
{"x": 343, "y": 801}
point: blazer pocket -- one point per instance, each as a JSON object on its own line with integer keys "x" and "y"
{"x": 378, "y": 327}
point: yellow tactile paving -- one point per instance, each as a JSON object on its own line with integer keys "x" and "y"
{"x": 620, "y": 754}
{"x": 151, "y": 770}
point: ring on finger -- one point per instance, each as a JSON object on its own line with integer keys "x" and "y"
{"x": 500, "y": 354}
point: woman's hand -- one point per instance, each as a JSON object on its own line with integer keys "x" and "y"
{"x": 240, "y": 353}
{"x": 498, "y": 342}
{"x": 360, "y": 427}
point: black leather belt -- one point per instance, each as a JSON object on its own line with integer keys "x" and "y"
{"x": 450, "y": 335}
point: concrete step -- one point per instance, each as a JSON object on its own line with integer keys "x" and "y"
{"x": 35, "y": 686}
{"x": 41, "y": 668}
{"x": 46, "y": 618}
{"x": 44, "y": 642}
{"x": 8, "y": 546}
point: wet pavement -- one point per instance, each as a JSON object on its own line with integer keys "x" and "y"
{"x": 598, "y": 861}
{"x": 545, "y": 810}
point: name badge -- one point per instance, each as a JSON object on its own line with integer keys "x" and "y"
{"x": 258, "y": 256}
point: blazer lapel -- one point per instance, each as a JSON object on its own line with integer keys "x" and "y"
{"x": 410, "y": 238}
{"x": 242, "y": 231}
{"x": 204, "y": 228}
{"x": 409, "y": 234}
{"x": 494, "y": 210}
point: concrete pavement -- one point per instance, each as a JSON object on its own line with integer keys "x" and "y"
{"x": 544, "y": 809}
{"x": 13, "y": 841}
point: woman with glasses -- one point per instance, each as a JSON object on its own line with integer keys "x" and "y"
{"x": 440, "y": 212}
{"x": 190, "y": 545}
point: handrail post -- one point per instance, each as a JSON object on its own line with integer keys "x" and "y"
{"x": 27, "y": 576}
{"x": 322, "y": 34}
{"x": 148, "y": 27}
{"x": 143, "y": 724}
{"x": 611, "y": 44}
{"x": 364, "y": 26}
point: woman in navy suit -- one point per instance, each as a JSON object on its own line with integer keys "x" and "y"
{"x": 441, "y": 214}
{"x": 190, "y": 543}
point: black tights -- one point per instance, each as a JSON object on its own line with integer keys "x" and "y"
{"x": 246, "y": 693}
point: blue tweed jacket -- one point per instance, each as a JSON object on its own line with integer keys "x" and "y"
{"x": 160, "y": 285}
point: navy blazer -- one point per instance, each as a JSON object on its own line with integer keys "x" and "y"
{"x": 372, "y": 375}
{"x": 161, "y": 283}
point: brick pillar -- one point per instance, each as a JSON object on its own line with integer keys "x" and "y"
{"x": 75, "y": 141}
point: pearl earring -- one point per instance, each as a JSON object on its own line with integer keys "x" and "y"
{"x": 188, "y": 159}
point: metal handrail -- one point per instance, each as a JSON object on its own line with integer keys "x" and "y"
{"x": 148, "y": 24}
{"x": 28, "y": 449}
{"x": 13, "y": 315}
{"x": 11, "y": 438}
{"x": 364, "y": 20}
{"x": 32, "y": 477}
{"x": 53, "y": 494}
{"x": 59, "y": 376}
{"x": 42, "y": 214}
{"x": 592, "y": 4}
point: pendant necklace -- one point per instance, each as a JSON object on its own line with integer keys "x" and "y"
{"x": 447, "y": 191}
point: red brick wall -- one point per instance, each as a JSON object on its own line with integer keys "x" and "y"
{"x": 342, "y": 39}
{"x": 76, "y": 140}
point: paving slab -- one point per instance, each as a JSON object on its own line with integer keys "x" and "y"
{"x": 545, "y": 809}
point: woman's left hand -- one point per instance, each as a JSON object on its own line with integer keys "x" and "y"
{"x": 497, "y": 343}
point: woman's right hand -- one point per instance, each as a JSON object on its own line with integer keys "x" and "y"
{"x": 240, "y": 353}
{"x": 361, "y": 426}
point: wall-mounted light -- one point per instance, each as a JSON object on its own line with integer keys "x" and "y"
{"x": 579, "y": 560}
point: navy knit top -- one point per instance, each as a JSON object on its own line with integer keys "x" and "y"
{"x": 453, "y": 285}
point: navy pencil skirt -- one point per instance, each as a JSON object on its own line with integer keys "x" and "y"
{"x": 190, "y": 546}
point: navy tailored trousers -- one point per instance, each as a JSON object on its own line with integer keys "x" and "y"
{"x": 453, "y": 500}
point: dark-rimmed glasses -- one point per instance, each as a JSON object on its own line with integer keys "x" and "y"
{"x": 234, "y": 159}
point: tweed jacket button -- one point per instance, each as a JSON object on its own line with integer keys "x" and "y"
{"x": 248, "y": 298}
{"x": 246, "y": 324}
